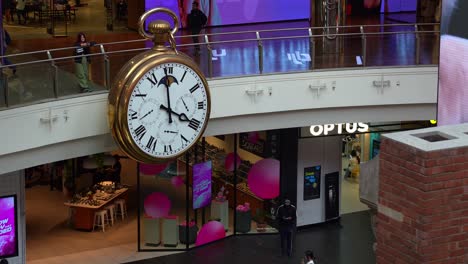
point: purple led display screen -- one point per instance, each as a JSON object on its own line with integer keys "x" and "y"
{"x": 202, "y": 184}
{"x": 231, "y": 12}
{"x": 8, "y": 229}
{"x": 453, "y": 67}
{"x": 369, "y": 7}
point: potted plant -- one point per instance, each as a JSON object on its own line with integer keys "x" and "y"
{"x": 192, "y": 229}
{"x": 243, "y": 218}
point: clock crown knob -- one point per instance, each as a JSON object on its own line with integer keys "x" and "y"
{"x": 161, "y": 31}
{"x": 159, "y": 27}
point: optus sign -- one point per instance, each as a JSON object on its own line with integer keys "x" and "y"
{"x": 340, "y": 128}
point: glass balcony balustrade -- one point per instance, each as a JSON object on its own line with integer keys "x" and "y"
{"x": 50, "y": 74}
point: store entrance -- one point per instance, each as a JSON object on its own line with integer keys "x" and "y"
{"x": 62, "y": 199}
{"x": 351, "y": 159}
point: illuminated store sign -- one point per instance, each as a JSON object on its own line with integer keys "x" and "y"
{"x": 340, "y": 128}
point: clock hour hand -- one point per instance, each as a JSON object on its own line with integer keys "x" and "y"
{"x": 182, "y": 116}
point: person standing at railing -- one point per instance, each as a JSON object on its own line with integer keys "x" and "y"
{"x": 82, "y": 60}
{"x": 20, "y": 11}
{"x": 196, "y": 20}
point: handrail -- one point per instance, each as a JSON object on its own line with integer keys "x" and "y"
{"x": 260, "y": 31}
{"x": 312, "y": 34}
{"x": 202, "y": 43}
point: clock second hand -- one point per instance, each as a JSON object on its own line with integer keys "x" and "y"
{"x": 182, "y": 116}
{"x": 185, "y": 104}
{"x": 146, "y": 114}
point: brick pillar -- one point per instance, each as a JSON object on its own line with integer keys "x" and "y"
{"x": 423, "y": 204}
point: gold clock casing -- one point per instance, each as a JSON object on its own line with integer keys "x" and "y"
{"x": 119, "y": 96}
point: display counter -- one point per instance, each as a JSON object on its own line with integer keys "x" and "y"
{"x": 85, "y": 207}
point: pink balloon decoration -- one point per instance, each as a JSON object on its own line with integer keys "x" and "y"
{"x": 177, "y": 181}
{"x": 264, "y": 178}
{"x": 229, "y": 162}
{"x": 157, "y": 205}
{"x": 253, "y": 137}
{"x": 210, "y": 232}
{"x": 152, "y": 169}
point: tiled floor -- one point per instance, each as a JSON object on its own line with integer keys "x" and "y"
{"x": 347, "y": 243}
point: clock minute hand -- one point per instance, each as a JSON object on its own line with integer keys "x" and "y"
{"x": 167, "y": 83}
{"x": 182, "y": 116}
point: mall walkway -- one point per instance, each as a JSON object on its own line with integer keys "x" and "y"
{"x": 333, "y": 244}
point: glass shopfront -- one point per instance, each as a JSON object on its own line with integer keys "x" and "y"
{"x": 225, "y": 185}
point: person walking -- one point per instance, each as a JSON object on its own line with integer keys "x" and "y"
{"x": 196, "y": 20}
{"x": 286, "y": 215}
{"x": 82, "y": 60}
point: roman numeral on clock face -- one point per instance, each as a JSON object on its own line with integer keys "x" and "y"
{"x": 168, "y": 70}
{"x": 140, "y": 132}
{"x": 194, "y": 124}
{"x": 152, "y": 143}
{"x": 152, "y": 78}
{"x": 183, "y": 139}
{"x": 200, "y": 105}
{"x": 183, "y": 76}
{"x": 134, "y": 115}
{"x": 194, "y": 88}
{"x": 167, "y": 148}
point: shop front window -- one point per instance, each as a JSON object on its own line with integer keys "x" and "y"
{"x": 212, "y": 192}
{"x": 258, "y": 182}
{"x": 162, "y": 201}
{"x": 225, "y": 185}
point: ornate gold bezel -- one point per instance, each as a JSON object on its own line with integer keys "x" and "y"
{"x": 119, "y": 97}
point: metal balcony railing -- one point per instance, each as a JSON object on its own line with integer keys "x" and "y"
{"x": 49, "y": 74}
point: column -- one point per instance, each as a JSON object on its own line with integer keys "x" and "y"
{"x": 423, "y": 197}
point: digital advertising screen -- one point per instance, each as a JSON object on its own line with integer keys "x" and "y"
{"x": 312, "y": 182}
{"x": 8, "y": 227}
{"x": 452, "y": 105}
{"x": 231, "y": 12}
{"x": 202, "y": 184}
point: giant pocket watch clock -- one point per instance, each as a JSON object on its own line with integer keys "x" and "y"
{"x": 159, "y": 105}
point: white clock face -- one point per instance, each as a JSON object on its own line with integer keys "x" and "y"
{"x": 167, "y": 110}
